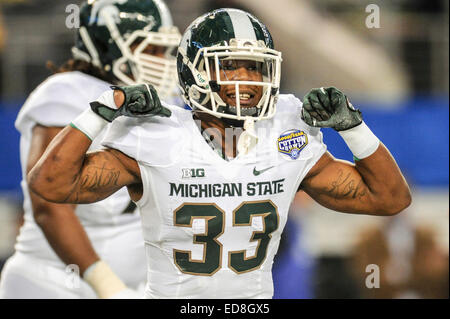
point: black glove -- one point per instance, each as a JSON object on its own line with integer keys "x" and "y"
{"x": 140, "y": 101}
{"x": 329, "y": 107}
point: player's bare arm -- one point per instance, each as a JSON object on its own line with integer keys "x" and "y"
{"x": 67, "y": 174}
{"x": 71, "y": 244}
{"x": 374, "y": 184}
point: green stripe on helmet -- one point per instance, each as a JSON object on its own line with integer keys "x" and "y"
{"x": 242, "y": 25}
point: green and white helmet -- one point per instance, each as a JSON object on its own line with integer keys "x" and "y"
{"x": 220, "y": 35}
{"x": 114, "y": 35}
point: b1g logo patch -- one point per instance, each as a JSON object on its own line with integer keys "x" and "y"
{"x": 192, "y": 172}
{"x": 292, "y": 142}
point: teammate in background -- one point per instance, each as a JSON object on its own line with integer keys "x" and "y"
{"x": 119, "y": 42}
{"x": 213, "y": 205}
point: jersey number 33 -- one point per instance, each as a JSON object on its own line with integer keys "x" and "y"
{"x": 214, "y": 228}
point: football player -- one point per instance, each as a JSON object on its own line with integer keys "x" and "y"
{"x": 118, "y": 42}
{"x": 214, "y": 205}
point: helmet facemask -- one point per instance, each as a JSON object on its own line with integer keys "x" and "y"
{"x": 209, "y": 70}
{"x": 137, "y": 66}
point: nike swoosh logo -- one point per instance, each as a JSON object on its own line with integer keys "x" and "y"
{"x": 256, "y": 172}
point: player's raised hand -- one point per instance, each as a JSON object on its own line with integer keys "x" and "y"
{"x": 329, "y": 107}
{"x": 133, "y": 101}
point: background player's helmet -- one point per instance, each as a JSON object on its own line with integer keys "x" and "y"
{"x": 220, "y": 35}
{"x": 114, "y": 35}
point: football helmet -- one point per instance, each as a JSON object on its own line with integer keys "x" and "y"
{"x": 212, "y": 43}
{"x": 115, "y": 35}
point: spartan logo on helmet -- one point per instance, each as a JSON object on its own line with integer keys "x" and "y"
{"x": 116, "y": 35}
{"x": 214, "y": 43}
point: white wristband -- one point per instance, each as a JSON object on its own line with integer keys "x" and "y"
{"x": 90, "y": 123}
{"x": 360, "y": 140}
{"x": 104, "y": 281}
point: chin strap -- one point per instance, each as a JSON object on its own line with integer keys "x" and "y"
{"x": 248, "y": 138}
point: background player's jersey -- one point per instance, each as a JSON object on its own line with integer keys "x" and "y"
{"x": 114, "y": 231}
{"x": 212, "y": 227}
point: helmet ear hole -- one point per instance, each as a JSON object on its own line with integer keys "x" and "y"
{"x": 194, "y": 93}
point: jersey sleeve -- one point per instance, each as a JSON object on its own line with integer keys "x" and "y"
{"x": 289, "y": 111}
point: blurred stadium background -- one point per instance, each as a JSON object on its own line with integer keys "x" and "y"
{"x": 397, "y": 74}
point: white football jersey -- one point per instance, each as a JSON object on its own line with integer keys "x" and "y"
{"x": 211, "y": 226}
{"x": 114, "y": 231}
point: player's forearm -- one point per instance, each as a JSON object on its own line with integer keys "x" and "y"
{"x": 57, "y": 172}
{"x": 386, "y": 188}
{"x": 71, "y": 244}
{"x": 384, "y": 181}
{"x": 65, "y": 234}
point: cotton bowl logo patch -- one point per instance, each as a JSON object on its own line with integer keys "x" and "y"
{"x": 292, "y": 142}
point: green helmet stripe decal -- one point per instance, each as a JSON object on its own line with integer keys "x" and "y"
{"x": 242, "y": 26}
